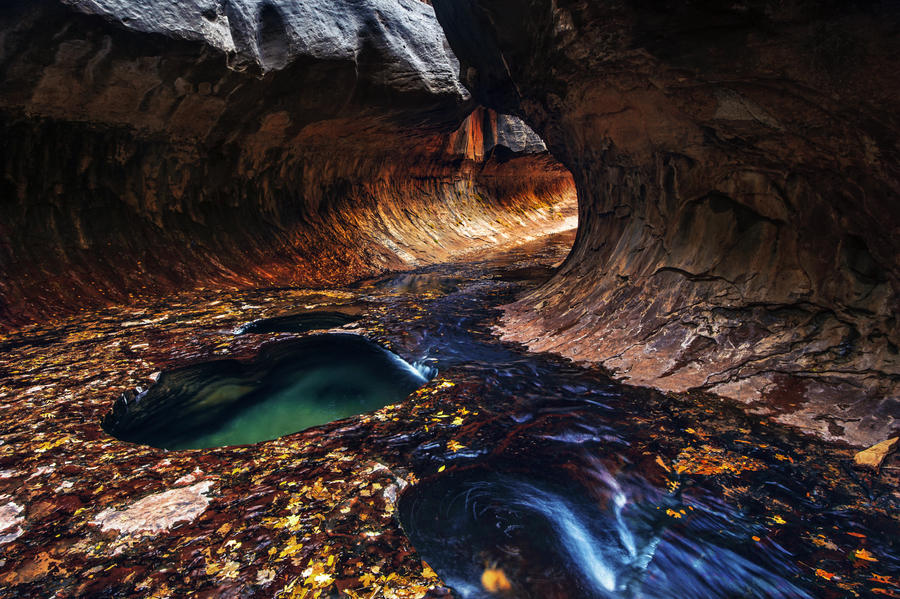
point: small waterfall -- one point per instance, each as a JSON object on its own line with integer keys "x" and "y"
{"x": 425, "y": 369}
{"x": 600, "y": 537}
{"x": 574, "y": 538}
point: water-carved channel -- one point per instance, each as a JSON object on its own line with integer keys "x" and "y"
{"x": 531, "y": 476}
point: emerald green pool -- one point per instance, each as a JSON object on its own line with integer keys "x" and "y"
{"x": 289, "y": 387}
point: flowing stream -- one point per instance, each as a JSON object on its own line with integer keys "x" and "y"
{"x": 538, "y": 477}
{"x": 573, "y": 485}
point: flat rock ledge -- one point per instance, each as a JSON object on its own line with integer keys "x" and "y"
{"x": 158, "y": 512}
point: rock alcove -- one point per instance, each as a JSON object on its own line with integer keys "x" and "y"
{"x": 666, "y": 399}
{"x": 738, "y": 207}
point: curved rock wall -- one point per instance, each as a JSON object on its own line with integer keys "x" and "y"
{"x": 738, "y": 173}
{"x": 161, "y": 147}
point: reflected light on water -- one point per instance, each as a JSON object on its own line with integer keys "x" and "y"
{"x": 597, "y": 537}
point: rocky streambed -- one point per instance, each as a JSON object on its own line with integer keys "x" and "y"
{"x": 509, "y": 473}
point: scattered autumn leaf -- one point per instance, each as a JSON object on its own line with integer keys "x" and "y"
{"x": 494, "y": 580}
{"x": 454, "y": 445}
{"x": 863, "y": 554}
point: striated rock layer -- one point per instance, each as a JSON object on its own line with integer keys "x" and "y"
{"x": 738, "y": 175}
{"x": 150, "y": 148}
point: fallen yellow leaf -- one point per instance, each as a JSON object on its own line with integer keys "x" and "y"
{"x": 864, "y": 555}
{"x": 662, "y": 464}
{"x": 875, "y": 455}
{"x": 454, "y": 445}
{"x": 494, "y": 580}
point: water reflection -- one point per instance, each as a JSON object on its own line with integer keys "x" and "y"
{"x": 421, "y": 282}
{"x": 693, "y": 499}
{"x": 289, "y": 387}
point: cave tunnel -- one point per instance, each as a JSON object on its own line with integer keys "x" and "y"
{"x": 449, "y": 298}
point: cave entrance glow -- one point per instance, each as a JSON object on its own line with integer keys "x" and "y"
{"x": 288, "y": 387}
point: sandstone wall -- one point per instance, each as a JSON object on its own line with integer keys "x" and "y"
{"x": 163, "y": 146}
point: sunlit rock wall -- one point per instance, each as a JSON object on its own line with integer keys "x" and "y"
{"x": 738, "y": 175}
{"x": 151, "y": 147}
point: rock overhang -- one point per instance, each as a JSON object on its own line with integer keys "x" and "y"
{"x": 162, "y": 131}
{"x": 737, "y": 182}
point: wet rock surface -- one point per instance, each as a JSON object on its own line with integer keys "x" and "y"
{"x": 10, "y": 522}
{"x": 158, "y": 512}
{"x": 316, "y": 513}
{"x": 737, "y": 175}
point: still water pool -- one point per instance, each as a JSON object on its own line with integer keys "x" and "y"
{"x": 290, "y": 386}
{"x": 299, "y": 323}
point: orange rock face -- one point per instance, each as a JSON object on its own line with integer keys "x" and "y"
{"x": 136, "y": 164}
